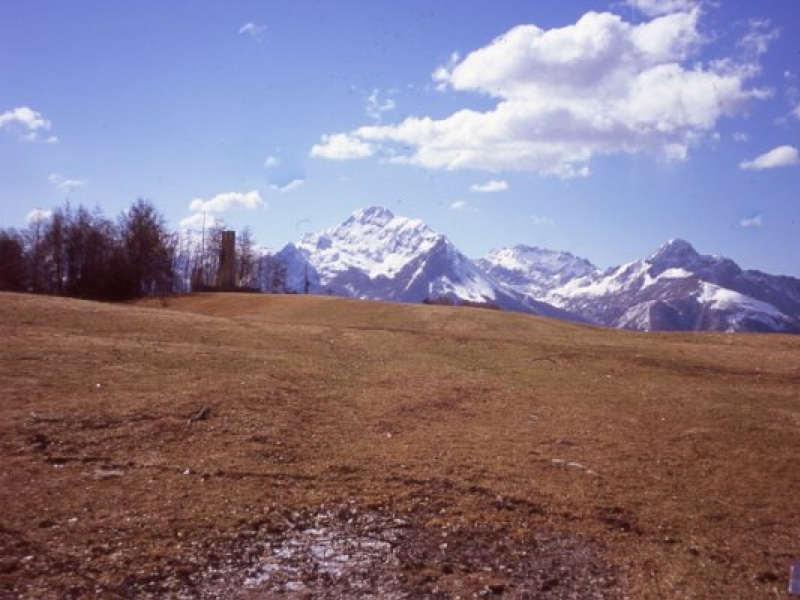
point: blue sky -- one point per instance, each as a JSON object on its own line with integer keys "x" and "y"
{"x": 603, "y": 128}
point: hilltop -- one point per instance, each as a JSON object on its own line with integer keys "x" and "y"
{"x": 255, "y": 445}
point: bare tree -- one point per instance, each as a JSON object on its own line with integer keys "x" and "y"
{"x": 34, "y": 250}
{"x": 12, "y": 261}
{"x": 81, "y": 253}
{"x": 55, "y": 258}
{"x": 274, "y": 274}
{"x": 246, "y": 259}
{"x": 145, "y": 241}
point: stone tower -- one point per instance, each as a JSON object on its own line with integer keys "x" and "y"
{"x": 226, "y": 273}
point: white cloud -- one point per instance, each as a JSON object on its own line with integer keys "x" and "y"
{"x": 796, "y": 111}
{"x": 440, "y": 74}
{"x": 31, "y": 124}
{"x": 754, "y": 222}
{"x": 271, "y": 161}
{"x": 459, "y": 205}
{"x": 544, "y": 221}
{"x": 254, "y": 31}
{"x": 199, "y": 221}
{"x": 494, "y": 185}
{"x": 63, "y": 184}
{"x": 782, "y": 156}
{"x": 226, "y": 201}
{"x": 376, "y": 106}
{"x": 341, "y": 146}
{"x": 291, "y": 186}
{"x": 34, "y": 136}
{"x": 25, "y": 116}
{"x": 760, "y": 34}
{"x": 601, "y": 86}
{"x": 37, "y": 215}
{"x": 740, "y": 137}
{"x": 656, "y": 8}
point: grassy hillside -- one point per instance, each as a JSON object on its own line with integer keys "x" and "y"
{"x": 154, "y": 449}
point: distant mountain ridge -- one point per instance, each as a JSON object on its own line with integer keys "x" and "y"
{"x": 377, "y": 255}
{"x": 673, "y": 289}
{"x": 533, "y": 271}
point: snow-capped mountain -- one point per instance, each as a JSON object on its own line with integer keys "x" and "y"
{"x": 532, "y": 271}
{"x": 673, "y": 289}
{"x": 377, "y": 255}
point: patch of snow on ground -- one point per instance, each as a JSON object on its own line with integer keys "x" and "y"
{"x": 332, "y": 552}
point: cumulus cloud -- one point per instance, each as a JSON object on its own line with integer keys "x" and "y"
{"x": 271, "y": 161}
{"x": 601, "y": 86}
{"x": 37, "y": 215}
{"x": 254, "y": 31}
{"x": 782, "y": 156}
{"x": 226, "y": 201}
{"x": 754, "y": 222}
{"x": 29, "y": 123}
{"x": 290, "y": 186}
{"x": 66, "y": 185}
{"x": 493, "y": 185}
{"x": 459, "y": 205}
{"x": 341, "y": 146}
{"x": 199, "y": 221}
{"x": 656, "y": 8}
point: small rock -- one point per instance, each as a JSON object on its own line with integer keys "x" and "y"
{"x": 201, "y": 415}
{"x": 767, "y": 577}
{"x": 497, "y": 588}
{"x": 549, "y": 584}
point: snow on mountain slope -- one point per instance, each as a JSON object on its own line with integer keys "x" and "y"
{"x": 678, "y": 289}
{"x": 372, "y": 240}
{"x": 675, "y": 288}
{"x": 740, "y": 308}
{"x": 376, "y": 255}
{"x": 533, "y": 271}
{"x": 289, "y": 271}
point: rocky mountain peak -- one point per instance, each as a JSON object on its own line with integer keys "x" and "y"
{"x": 675, "y": 249}
{"x": 676, "y": 253}
{"x": 373, "y": 215}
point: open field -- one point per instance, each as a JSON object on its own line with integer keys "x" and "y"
{"x": 246, "y": 446}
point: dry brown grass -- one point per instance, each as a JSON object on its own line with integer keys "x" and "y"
{"x": 674, "y": 455}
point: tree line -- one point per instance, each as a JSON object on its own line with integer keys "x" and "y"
{"x": 82, "y": 253}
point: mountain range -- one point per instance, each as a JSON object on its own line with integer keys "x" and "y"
{"x": 377, "y": 255}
